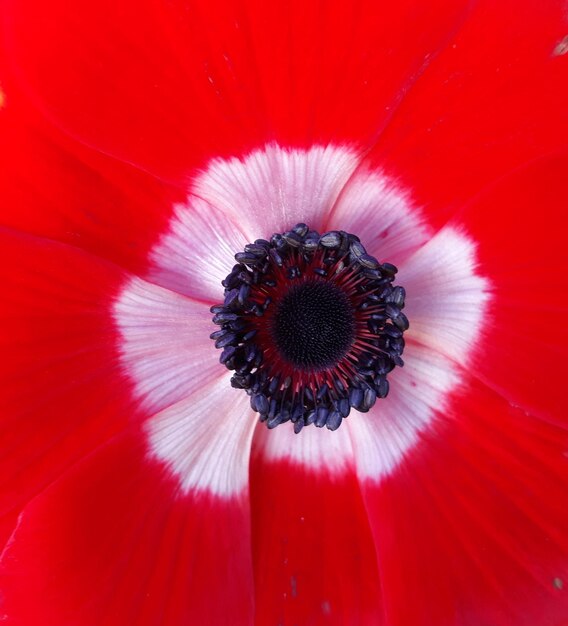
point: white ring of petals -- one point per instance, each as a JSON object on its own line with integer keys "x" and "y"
{"x": 200, "y": 427}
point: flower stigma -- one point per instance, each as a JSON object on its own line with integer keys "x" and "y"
{"x": 311, "y": 325}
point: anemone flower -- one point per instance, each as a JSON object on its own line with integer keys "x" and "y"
{"x": 362, "y": 204}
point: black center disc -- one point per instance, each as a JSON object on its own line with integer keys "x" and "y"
{"x": 314, "y": 324}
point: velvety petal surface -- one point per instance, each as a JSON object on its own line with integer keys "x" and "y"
{"x": 487, "y": 479}
{"x": 109, "y": 527}
{"x": 383, "y": 214}
{"x": 520, "y": 224}
{"x": 55, "y": 188}
{"x": 205, "y": 439}
{"x": 170, "y": 86}
{"x": 61, "y": 392}
{"x": 163, "y": 342}
{"x": 314, "y": 558}
{"x": 198, "y": 425}
{"x": 471, "y": 528}
{"x": 197, "y": 250}
{"x": 117, "y": 542}
{"x": 493, "y": 99}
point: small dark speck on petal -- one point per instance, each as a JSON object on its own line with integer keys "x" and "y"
{"x": 293, "y": 586}
{"x": 561, "y": 47}
{"x": 558, "y": 583}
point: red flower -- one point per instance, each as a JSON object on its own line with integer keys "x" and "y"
{"x": 143, "y": 145}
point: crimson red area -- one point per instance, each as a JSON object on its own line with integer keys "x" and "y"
{"x": 520, "y": 225}
{"x": 167, "y": 86}
{"x": 56, "y": 188}
{"x": 314, "y": 558}
{"x": 494, "y": 98}
{"x": 108, "y": 111}
{"x": 61, "y": 393}
{"x": 115, "y": 542}
{"x": 468, "y": 531}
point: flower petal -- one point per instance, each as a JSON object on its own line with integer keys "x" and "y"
{"x": 472, "y": 525}
{"x": 164, "y": 343}
{"x": 314, "y": 558}
{"x": 274, "y": 188}
{"x": 375, "y": 208}
{"x": 318, "y": 450}
{"x": 386, "y": 435}
{"x": 492, "y": 100}
{"x": 61, "y": 390}
{"x": 447, "y": 298}
{"x": 520, "y": 226}
{"x": 169, "y": 87}
{"x": 198, "y": 250}
{"x": 197, "y": 425}
{"x": 54, "y": 188}
{"x": 235, "y": 201}
{"x": 205, "y": 439}
{"x": 114, "y": 542}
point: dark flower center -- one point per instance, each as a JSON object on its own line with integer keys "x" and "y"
{"x": 311, "y": 325}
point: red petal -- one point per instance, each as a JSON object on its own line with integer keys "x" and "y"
{"x": 472, "y": 528}
{"x": 313, "y": 553}
{"x": 57, "y": 189}
{"x": 61, "y": 393}
{"x": 169, "y": 86}
{"x": 520, "y": 226}
{"x": 493, "y": 99}
{"x": 114, "y": 543}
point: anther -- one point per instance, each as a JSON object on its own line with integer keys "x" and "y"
{"x": 310, "y": 325}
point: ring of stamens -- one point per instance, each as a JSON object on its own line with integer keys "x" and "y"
{"x": 311, "y": 325}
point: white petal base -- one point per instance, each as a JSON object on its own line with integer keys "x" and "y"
{"x": 205, "y": 440}
{"x": 269, "y": 190}
{"x": 197, "y": 425}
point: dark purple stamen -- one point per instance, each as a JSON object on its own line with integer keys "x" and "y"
{"x": 311, "y": 325}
